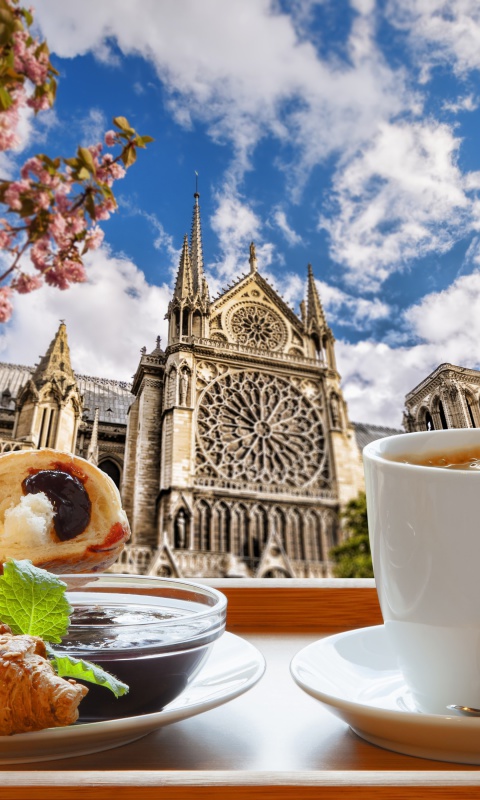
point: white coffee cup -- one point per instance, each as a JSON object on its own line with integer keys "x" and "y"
{"x": 424, "y": 525}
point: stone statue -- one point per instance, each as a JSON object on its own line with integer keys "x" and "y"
{"x": 183, "y": 387}
{"x": 335, "y": 411}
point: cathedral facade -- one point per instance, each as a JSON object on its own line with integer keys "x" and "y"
{"x": 447, "y": 398}
{"x": 232, "y": 447}
{"x": 239, "y": 451}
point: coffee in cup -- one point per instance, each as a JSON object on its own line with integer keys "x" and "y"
{"x": 423, "y": 501}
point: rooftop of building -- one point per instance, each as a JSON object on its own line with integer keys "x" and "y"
{"x": 366, "y": 433}
{"x": 112, "y": 398}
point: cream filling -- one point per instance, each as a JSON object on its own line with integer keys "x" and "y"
{"x": 28, "y": 524}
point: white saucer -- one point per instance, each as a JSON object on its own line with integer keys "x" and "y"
{"x": 355, "y": 674}
{"x": 232, "y": 667}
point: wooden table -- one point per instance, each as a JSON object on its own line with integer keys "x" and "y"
{"x": 272, "y": 742}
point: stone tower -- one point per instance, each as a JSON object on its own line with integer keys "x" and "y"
{"x": 240, "y": 452}
{"x": 49, "y": 406}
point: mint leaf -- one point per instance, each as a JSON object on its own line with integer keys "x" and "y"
{"x": 68, "y": 667}
{"x": 33, "y": 601}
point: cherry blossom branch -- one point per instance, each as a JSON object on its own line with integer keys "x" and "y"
{"x": 59, "y": 201}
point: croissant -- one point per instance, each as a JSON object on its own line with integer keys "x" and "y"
{"x": 32, "y": 695}
{"x": 59, "y": 511}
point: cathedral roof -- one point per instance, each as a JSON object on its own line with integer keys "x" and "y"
{"x": 113, "y": 398}
{"x": 365, "y": 433}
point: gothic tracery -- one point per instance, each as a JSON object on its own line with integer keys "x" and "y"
{"x": 257, "y": 326}
{"x": 255, "y": 427}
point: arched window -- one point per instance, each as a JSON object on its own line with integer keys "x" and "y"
{"x": 197, "y": 324}
{"x": 185, "y": 321}
{"x": 112, "y": 469}
{"x": 240, "y": 530}
{"x": 278, "y": 524}
{"x": 258, "y": 532}
{"x": 312, "y": 537}
{"x": 443, "y": 418}
{"x": 429, "y": 426}
{"x": 202, "y": 540}
{"x": 221, "y": 528}
{"x": 295, "y": 536}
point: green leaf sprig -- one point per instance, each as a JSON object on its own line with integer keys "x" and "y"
{"x": 33, "y": 602}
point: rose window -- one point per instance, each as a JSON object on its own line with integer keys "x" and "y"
{"x": 259, "y": 428}
{"x": 258, "y": 326}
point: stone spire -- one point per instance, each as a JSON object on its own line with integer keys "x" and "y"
{"x": 196, "y": 251}
{"x": 184, "y": 284}
{"x": 56, "y": 360}
{"x": 92, "y": 453}
{"x": 315, "y": 317}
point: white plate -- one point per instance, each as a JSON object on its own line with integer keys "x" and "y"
{"x": 355, "y": 675}
{"x": 232, "y": 667}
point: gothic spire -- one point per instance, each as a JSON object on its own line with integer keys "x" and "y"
{"x": 196, "y": 251}
{"x": 184, "y": 284}
{"x": 92, "y": 454}
{"x": 315, "y": 312}
{"x": 56, "y": 359}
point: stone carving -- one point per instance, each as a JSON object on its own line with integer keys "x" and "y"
{"x": 257, "y": 326}
{"x": 260, "y": 428}
{"x": 335, "y": 410}
{"x": 183, "y": 387}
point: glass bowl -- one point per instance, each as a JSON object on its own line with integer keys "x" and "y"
{"x": 152, "y": 633}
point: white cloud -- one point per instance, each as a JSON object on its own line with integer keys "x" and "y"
{"x": 450, "y": 320}
{"x": 93, "y": 126}
{"x": 249, "y": 73}
{"x": 239, "y": 68}
{"x": 441, "y": 31}
{"x": 467, "y": 103}
{"x": 280, "y": 219}
{"x": 400, "y": 198}
{"x": 350, "y": 310}
{"x": 108, "y": 319}
{"x": 376, "y": 377}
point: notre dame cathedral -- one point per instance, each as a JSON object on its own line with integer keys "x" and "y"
{"x": 232, "y": 447}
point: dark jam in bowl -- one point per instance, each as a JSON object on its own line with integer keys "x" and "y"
{"x": 156, "y": 645}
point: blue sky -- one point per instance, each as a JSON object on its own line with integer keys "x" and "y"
{"x": 344, "y": 134}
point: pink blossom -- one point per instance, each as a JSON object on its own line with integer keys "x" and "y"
{"x": 74, "y": 271}
{"x": 39, "y": 253}
{"x": 63, "y": 203}
{"x": 55, "y": 277}
{"x": 103, "y": 210}
{"x": 94, "y": 238}
{"x": 9, "y": 120}
{"x": 33, "y": 165}
{"x": 76, "y": 223}
{"x": 25, "y": 283}
{"x": 40, "y": 103}
{"x": 110, "y": 171}
{"x": 6, "y": 307}
{"x": 95, "y": 150}
{"x": 110, "y": 138}
{"x": 42, "y": 200}
{"x": 12, "y": 195}
{"x": 57, "y": 228}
